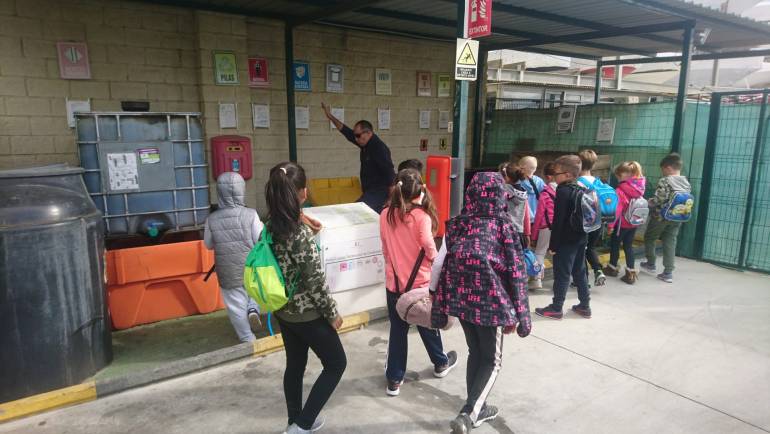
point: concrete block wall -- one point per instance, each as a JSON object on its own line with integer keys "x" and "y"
{"x": 164, "y": 55}
{"x": 136, "y": 51}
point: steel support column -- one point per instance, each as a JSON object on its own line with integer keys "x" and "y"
{"x": 598, "y": 82}
{"x": 289, "y": 47}
{"x": 478, "y": 116}
{"x": 460, "y": 126}
{"x": 681, "y": 94}
{"x": 753, "y": 181}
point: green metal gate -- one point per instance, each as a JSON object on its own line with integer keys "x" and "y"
{"x": 733, "y": 226}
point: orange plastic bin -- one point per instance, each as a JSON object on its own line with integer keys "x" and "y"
{"x": 155, "y": 283}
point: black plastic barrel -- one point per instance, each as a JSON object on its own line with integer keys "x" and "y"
{"x": 54, "y": 325}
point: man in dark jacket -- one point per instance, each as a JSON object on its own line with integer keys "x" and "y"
{"x": 377, "y": 173}
{"x": 568, "y": 241}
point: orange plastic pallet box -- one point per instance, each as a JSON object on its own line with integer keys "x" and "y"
{"x": 155, "y": 283}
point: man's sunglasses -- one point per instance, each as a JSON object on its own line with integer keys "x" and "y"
{"x": 358, "y": 136}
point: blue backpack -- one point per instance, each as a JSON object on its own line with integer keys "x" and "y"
{"x": 606, "y": 197}
{"x": 534, "y": 268}
{"x": 679, "y": 207}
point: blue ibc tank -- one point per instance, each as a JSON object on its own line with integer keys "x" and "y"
{"x": 145, "y": 167}
{"x": 54, "y": 325}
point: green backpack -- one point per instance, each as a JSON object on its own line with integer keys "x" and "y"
{"x": 262, "y": 276}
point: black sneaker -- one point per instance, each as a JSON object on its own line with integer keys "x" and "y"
{"x": 254, "y": 321}
{"x": 549, "y": 312}
{"x": 461, "y": 424}
{"x": 443, "y": 371}
{"x": 585, "y": 312}
{"x": 489, "y": 412}
{"x": 394, "y": 388}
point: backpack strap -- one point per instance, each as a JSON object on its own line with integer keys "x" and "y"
{"x": 548, "y": 221}
{"x": 534, "y": 188}
{"x": 415, "y": 270}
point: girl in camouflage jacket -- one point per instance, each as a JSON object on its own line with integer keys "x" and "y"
{"x": 310, "y": 319}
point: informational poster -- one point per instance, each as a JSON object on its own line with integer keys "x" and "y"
{"x": 73, "y": 60}
{"x": 424, "y": 119}
{"x": 334, "y": 78}
{"x": 443, "y": 119}
{"x": 383, "y": 79}
{"x": 339, "y": 113}
{"x": 302, "y": 117}
{"x": 479, "y": 13}
{"x": 149, "y": 155}
{"x": 605, "y": 132}
{"x": 383, "y": 118}
{"x": 260, "y": 115}
{"x": 424, "y": 83}
{"x": 258, "y": 74}
{"x": 565, "y": 122}
{"x": 122, "y": 171}
{"x": 225, "y": 68}
{"x": 465, "y": 59}
{"x": 228, "y": 116}
{"x": 75, "y": 106}
{"x": 444, "y": 86}
{"x": 301, "y": 76}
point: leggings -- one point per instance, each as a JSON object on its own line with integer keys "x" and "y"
{"x": 485, "y": 357}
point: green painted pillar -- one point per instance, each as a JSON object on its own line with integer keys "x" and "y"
{"x": 598, "y": 82}
{"x": 289, "y": 46}
{"x": 681, "y": 93}
{"x": 478, "y": 116}
{"x": 460, "y": 127}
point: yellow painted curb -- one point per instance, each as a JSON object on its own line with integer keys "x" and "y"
{"x": 271, "y": 344}
{"x": 48, "y": 401}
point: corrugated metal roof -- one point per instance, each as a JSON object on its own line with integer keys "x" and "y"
{"x": 519, "y": 21}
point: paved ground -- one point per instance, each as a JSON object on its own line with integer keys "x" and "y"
{"x": 693, "y": 357}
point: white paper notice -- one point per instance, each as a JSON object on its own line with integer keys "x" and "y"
{"x": 122, "y": 171}
{"x": 260, "y": 115}
{"x": 74, "y": 106}
{"x": 443, "y": 119}
{"x": 302, "y": 117}
{"x": 606, "y": 130}
{"x": 339, "y": 113}
{"x": 424, "y": 119}
{"x": 228, "y": 118}
{"x": 383, "y": 118}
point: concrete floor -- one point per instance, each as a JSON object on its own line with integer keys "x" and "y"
{"x": 692, "y": 357}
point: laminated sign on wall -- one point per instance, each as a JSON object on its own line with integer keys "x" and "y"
{"x": 566, "y": 119}
{"x": 465, "y": 60}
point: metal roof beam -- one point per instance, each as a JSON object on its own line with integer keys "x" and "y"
{"x": 386, "y": 31}
{"x": 551, "y": 52}
{"x": 329, "y": 12}
{"x": 443, "y": 22}
{"x": 705, "y": 56}
{"x": 627, "y": 31}
{"x": 207, "y": 6}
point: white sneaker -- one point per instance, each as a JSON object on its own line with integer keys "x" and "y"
{"x": 317, "y": 425}
{"x": 254, "y": 320}
{"x": 536, "y": 284}
{"x": 294, "y": 429}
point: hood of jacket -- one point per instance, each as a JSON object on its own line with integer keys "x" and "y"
{"x": 678, "y": 182}
{"x": 487, "y": 196}
{"x": 231, "y": 189}
{"x": 633, "y": 187}
{"x": 515, "y": 194}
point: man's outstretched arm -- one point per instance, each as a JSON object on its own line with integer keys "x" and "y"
{"x": 344, "y": 129}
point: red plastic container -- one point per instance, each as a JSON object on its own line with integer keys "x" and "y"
{"x": 231, "y": 154}
{"x": 438, "y": 171}
{"x": 155, "y": 283}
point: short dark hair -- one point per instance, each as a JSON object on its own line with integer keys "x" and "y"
{"x": 364, "y": 125}
{"x": 411, "y": 163}
{"x": 569, "y": 164}
{"x": 587, "y": 158}
{"x": 672, "y": 160}
{"x": 549, "y": 169}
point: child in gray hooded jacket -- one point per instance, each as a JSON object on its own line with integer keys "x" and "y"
{"x": 231, "y": 231}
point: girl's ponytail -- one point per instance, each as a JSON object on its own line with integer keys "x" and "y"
{"x": 409, "y": 186}
{"x": 283, "y": 200}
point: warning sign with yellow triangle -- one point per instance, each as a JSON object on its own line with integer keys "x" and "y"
{"x": 466, "y": 56}
{"x": 465, "y": 59}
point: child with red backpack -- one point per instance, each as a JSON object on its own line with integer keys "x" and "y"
{"x": 483, "y": 283}
{"x": 631, "y": 213}
{"x": 541, "y": 228}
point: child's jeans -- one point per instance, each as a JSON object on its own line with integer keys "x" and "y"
{"x": 626, "y": 236}
{"x": 666, "y": 231}
{"x": 591, "y": 256}
{"x": 570, "y": 260}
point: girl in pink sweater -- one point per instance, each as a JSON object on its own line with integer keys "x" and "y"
{"x": 407, "y": 226}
